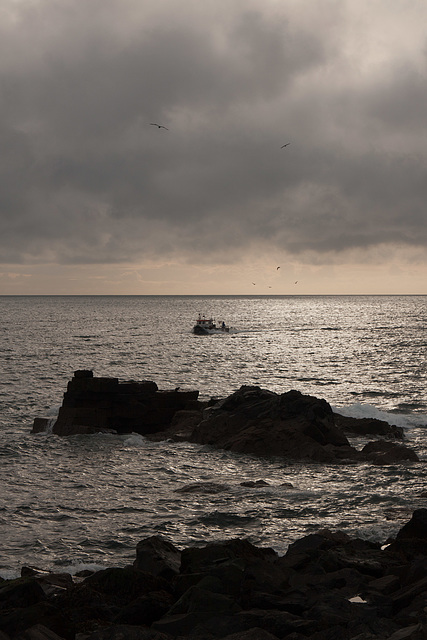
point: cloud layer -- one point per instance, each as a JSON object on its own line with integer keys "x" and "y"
{"x": 87, "y": 179}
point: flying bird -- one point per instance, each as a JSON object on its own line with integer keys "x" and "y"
{"x": 159, "y": 126}
{"x": 285, "y": 145}
{"x": 277, "y": 268}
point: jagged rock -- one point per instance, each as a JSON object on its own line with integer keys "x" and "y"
{"x": 251, "y": 634}
{"x": 199, "y": 559}
{"x": 98, "y": 404}
{"x": 406, "y": 595}
{"x": 416, "y": 527}
{"x": 40, "y": 425}
{"x": 386, "y": 585}
{"x": 20, "y": 592}
{"x": 112, "y": 595}
{"x": 412, "y": 632}
{"x": 251, "y": 420}
{"x": 126, "y": 632}
{"x": 38, "y": 632}
{"x": 328, "y": 586}
{"x": 367, "y": 426}
{"x": 182, "y": 424}
{"x": 197, "y": 599}
{"x": 260, "y": 422}
{"x": 124, "y": 584}
{"x": 158, "y": 556}
{"x": 277, "y": 623}
{"x": 145, "y": 609}
{"x": 327, "y": 552}
{"x": 411, "y": 544}
{"x": 17, "y": 620}
{"x": 51, "y": 583}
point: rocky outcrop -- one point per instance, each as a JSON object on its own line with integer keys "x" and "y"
{"x": 91, "y": 405}
{"x": 292, "y": 425}
{"x": 328, "y": 586}
{"x": 252, "y": 420}
{"x": 367, "y": 427}
{"x": 259, "y": 422}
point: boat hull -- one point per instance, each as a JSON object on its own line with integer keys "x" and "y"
{"x": 207, "y": 327}
{"x": 203, "y": 331}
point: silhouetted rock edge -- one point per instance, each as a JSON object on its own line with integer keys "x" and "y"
{"x": 327, "y": 586}
{"x": 251, "y": 420}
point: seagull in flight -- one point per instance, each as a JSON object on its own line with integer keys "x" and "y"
{"x": 277, "y": 268}
{"x": 159, "y": 126}
{"x": 285, "y": 145}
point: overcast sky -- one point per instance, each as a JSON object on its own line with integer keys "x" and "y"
{"x": 95, "y": 199}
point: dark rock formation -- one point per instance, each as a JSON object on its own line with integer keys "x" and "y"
{"x": 416, "y": 527}
{"x": 260, "y": 422}
{"x": 91, "y": 405}
{"x": 203, "y": 487}
{"x": 40, "y": 425}
{"x": 367, "y": 427}
{"x": 328, "y": 586}
{"x": 296, "y": 426}
{"x": 251, "y": 420}
{"x": 385, "y": 452}
{"x": 157, "y": 556}
{"x": 258, "y": 483}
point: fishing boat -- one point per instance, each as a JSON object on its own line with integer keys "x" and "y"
{"x": 207, "y": 326}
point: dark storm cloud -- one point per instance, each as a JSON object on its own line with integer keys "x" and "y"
{"x": 86, "y": 178}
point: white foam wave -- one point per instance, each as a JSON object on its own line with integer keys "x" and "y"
{"x": 52, "y": 416}
{"x": 404, "y": 420}
{"x": 135, "y": 440}
{"x": 10, "y": 574}
{"x": 50, "y": 424}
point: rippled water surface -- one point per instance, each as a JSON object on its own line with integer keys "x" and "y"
{"x": 68, "y": 502}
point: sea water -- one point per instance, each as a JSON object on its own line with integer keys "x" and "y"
{"x": 68, "y": 503}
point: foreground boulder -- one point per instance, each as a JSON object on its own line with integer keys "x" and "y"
{"x": 328, "y": 586}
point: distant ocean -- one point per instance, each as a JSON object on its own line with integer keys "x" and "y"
{"x": 69, "y": 503}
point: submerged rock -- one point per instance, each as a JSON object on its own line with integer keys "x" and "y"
{"x": 203, "y": 487}
{"x": 385, "y": 452}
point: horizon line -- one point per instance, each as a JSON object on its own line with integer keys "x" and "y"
{"x": 199, "y": 295}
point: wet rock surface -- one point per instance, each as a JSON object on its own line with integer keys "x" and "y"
{"x": 327, "y": 585}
